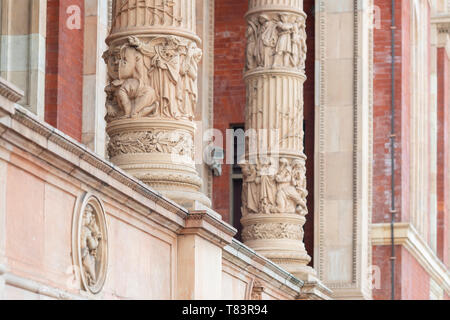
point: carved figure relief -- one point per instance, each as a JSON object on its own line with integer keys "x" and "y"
{"x": 189, "y": 72}
{"x": 90, "y": 244}
{"x": 173, "y": 142}
{"x": 90, "y": 241}
{"x": 282, "y": 191}
{"x": 276, "y": 41}
{"x": 154, "y": 79}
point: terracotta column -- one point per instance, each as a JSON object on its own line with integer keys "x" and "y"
{"x": 274, "y": 196}
{"x": 152, "y": 63}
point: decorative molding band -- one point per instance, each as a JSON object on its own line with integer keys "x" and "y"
{"x": 275, "y": 8}
{"x": 210, "y": 227}
{"x": 442, "y": 22}
{"x": 320, "y": 138}
{"x": 407, "y": 236}
{"x": 10, "y": 91}
{"x": 210, "y": 67}
{"x": 356, "y": 263}
{"x": 36, "y": 287}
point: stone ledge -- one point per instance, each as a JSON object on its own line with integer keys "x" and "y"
{"x": 209, "y": 227}
{"x": 246, "y": 258}
{"x": 407, "y": 236}
{"x": 13, "y": 280}
{"x": 314, "y": 289}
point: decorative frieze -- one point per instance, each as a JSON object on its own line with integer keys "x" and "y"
{"x": 273, "y": 231}
{"x": 179, "y": 143}
{"x": 276, "y": 40}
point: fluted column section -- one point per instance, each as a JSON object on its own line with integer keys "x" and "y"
{"x": 274, "y": 195}
{"x": 152, "y": 63}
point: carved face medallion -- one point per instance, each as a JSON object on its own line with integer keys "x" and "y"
{"x": 90, "y": 244}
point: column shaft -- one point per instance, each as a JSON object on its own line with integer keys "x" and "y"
{"x": 152, "y": 63}
{"x": 274, "y": 195}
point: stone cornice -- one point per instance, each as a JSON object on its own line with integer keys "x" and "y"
{"x": 246, "y": 258}
{"x": 407, "y": 236}
{"x": 209, "y": 227}
{"x": 442, "y": 21}
{"x": 10, "y": 91}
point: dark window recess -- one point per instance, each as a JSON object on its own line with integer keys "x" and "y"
{"x": 237, "y": 203}
{"x": 239, "y": 145}
{"x": 236, "y": 181}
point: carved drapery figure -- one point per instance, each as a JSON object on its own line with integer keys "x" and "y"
{"x": 251, "y": 52}
{"x": 155, "y": 79}
{"x": 189, "y": 71}
{"x": 276, "y": 40}
{"x": 251, "y": 189}
{"x": 267, "y": 41}
{"x": 266, "y": 192}
{"x": 283, "y": 50}
{"x": 90, "y": 240}
{"x": 303, "y": 47}
{"x": 268, "y": 185}
{"x": 299, "y": 182}
{"x": 288, "y": 197}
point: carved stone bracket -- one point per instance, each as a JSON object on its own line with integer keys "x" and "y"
{"x": 276, "y": 39}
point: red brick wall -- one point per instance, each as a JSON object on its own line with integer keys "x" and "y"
{"x": 380, "y": 258}
{"x": 415, "y": 283}
{"x": 229, "y": 87}
{"x": 412, "y": 282}
{"x": 64, "y": 69}
{"x": 382, "y": 112}
{"x": 442, "y": 154}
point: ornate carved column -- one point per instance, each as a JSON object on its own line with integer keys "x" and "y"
{"x": 274, "y": 196}
{"x": 152, "y": 63}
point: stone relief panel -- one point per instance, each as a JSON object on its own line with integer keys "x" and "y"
{"x": 276, "y": 40}
{"x": 155, "y": 79}
{"x": 90, "y": 244}
{"x": 271, "y": 189}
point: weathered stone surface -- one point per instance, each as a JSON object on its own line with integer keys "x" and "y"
{"x": 152, "y": 94}
{"x": 274, "y": 191}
